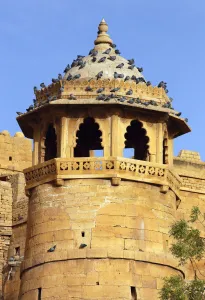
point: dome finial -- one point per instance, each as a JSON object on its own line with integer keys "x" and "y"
{"x": 103, "y": 39}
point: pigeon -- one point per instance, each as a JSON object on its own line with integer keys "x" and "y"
{"x": 34, "y": 101}
{"x": 88, "y": 89}
{"x": 152, "y": 102}
{"x": 74, "y": 63}
{"x": 82, "y": 246}
{"x": 101, "y": 97}
{"x": 94, "y": 53}
{"x": 130, "y": 92}
{"x": 52, "y": 249}
{"x": 42, "y": 85}
{"x": 131, "y": 101}
{"x": 60, "y": 77}
{"x": 121, "y": 75}
{"x": 35, "y": 89}
{"x": 112, "y": 58}
{"x": 120, "y": 66}
{"x": 29, "y": 108}
{"x": 115, "y": 90}
{"x": 11, "y": 258}
{"x": 186, "y": 120}
{"x": 137, "y": 100}
{"x": 131, "y": 67}
{"x": 77, "y": 76}
{"x": 62, "y": 89}
{"x": 19, "y": 113}
{"x": 133, "y": 77}
{"x": 66, "y": 69}
{"x": 107, "y": 51}
{"x": 54, "y": 80}
{"x": 99, "y": 75}
{"x": 72, "y": 97}
{"x": 112, "y": 96}
{"x": 94, "y": 59}
{"x": 100, "y": 90}
{"x": 69, "y": 77}
{"x": 141, "y": 79}
{"x": 20, "y": 217}
{"x": 107, "y": 98}
{"x": 140, "y": 69}
{"x": 82, "y": 65}
{"x": 127, "y": 78}
{"x": 116, "y": 75}
{"x": 114, "y": 46}
{"x": 178, "y": 114}
{"x": 166, "y": 91}
{"x": 162, "y": 84}
{"x": 102, "y": 59}
{"x": 122, "y": 99}
{"x": 131, "y": 61}
{"x": 117, "y": 51}
{"x": 146, "y": 103}
{"x": 80, "y": 56}
{"x": 148, "y": 83}
{"x": 54, "y": 98}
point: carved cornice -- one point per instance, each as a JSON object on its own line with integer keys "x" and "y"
{"x": 63, "y": 89}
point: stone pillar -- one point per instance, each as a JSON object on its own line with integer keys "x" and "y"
{"x": 114, "y": 135}
{"x": 159, "y": 144}
{"x": 36, "y": 147}
{"x": 64, "y": 136}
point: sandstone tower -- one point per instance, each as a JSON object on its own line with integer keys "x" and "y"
{"x": 106, "y": 215}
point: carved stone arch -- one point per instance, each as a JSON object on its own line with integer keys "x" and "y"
{"x": 42, "y": 144}
{"x": 136, "y": 137}
{"x": 81, "y": 145}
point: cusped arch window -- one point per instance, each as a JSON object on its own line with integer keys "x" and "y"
{"x": 50, "y": 143}
{"x": 136, "y": 141}
{"x": 88, "y": 139}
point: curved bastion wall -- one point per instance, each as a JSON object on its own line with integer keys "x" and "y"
{"x": 111, "y": 241}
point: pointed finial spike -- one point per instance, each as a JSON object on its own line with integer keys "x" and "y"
{"x": 103, "y": 20}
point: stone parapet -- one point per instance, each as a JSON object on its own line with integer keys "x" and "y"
{"x": 59, "y": 169}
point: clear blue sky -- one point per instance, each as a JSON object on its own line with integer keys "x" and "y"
{"x": 166, "y": 38}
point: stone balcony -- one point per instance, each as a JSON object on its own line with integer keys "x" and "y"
{"x": 115, "y": 168}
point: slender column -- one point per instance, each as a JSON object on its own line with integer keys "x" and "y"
{"x": 114, "y": 135}
{"x": 159, "y": 143}
{"x": 36, "y": 146}
{"x": 64, "y": 137}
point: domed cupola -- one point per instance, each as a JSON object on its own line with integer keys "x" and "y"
{"x": 104, "y": 103}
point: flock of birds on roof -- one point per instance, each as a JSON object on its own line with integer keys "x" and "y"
{"x": 78, "y": 62}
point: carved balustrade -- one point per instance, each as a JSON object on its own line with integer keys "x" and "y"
{"x": 102, "y": 167}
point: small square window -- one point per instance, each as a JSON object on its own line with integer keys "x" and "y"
{"x": 17, "y": 251}
{"x": 10, "y": 158}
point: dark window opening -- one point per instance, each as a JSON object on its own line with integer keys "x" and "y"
{"x": 97, "y": 283}
{"x": 50, "y": 143}
{"x": 17, "y": 251}
{"x": 137, "y": 139}
{"x": 39, "y": 293}
{"x": 89, "y": 139}
{"x": 133, "y": 293}
{"x": 10, "y": 158}
{"x": 83, "y": 234}
{"x": 165, "y": 151}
